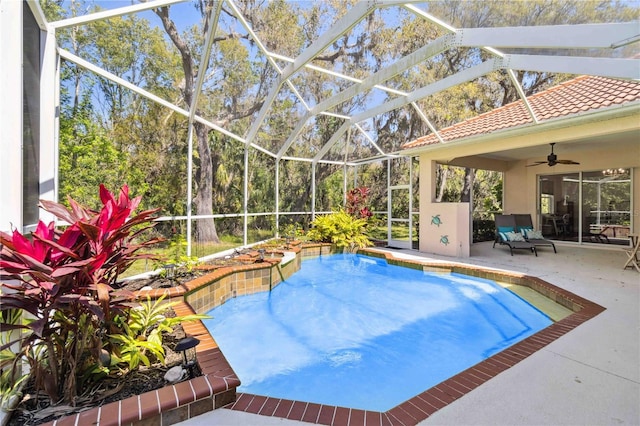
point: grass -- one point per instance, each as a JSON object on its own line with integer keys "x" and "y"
{"x": 398, "y": 232}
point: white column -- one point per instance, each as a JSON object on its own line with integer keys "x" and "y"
{"x": 428, "y": 169}
{"x": 11, "y": 115}
{"x": 49, "y": 117}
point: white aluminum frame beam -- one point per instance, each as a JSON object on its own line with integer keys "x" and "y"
{"x": 453, "y": 80}
{"x": 85, "y": 19}
{"x": 369, "y": 138}
{"x": 348, "y": 21}
{"x": 550, "y": 36}
{"x": 605, "y": 67}
{"x": 616, "y": 68}
{"x": 97, "y": 70}
{"x": 332, "y": 141}
{"x": 427, "y": 51}
{"x": 489, "y": 49}
{"x": 424, "y": 118}
{"x": 523, "y": 96}
{"x": 264, "y": 50}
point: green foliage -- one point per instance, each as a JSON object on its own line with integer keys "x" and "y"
{"x": 142, "y": 332}
{"x": 11, "y": 365}
{"x": 87, "y": 157}
{"x": 178, "y": 254}
{"x": 483, "y": 230}
{"x": 342, "y": 229}
{"x": 292, "y": 230}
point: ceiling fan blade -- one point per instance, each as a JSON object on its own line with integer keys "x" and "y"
{"x": 566, "y": 162}
{"x": 537, "y": 163}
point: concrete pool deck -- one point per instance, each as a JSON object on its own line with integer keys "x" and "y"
{"x": 589, "y": 376}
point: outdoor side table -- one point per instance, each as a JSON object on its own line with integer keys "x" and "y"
{"x": 634, "y": 253}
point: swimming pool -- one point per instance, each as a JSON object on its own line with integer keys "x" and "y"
{"x": 351, "y": 330}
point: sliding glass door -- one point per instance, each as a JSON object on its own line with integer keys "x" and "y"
{"x": 559, "y": 216}
{"x": 587, "y": 207}
{"x": 606, "y": 205}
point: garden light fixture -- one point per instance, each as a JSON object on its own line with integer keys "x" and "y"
{"x": 170, "y": 271}
{"x": 187, "y": 347}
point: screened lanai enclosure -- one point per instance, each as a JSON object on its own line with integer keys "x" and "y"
{"x": 243, "y": 119}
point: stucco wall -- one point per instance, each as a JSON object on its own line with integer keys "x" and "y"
{"x": 444, "y": 227}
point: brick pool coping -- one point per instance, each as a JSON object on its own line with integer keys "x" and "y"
{"x": 216, "y": 388}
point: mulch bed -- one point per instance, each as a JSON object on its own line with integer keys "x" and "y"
{"x": 239, "y": 257}
{"x": 37, "y": 409}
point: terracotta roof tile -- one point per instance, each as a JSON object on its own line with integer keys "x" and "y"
{"x": 582, "y": 94}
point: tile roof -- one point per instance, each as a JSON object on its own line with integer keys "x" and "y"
{"x": 584, "y": 93}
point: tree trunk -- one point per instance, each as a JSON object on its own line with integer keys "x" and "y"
{"x": 467, "y": 186}
{"x": 205, "y": 228}
{"x": 444, "y": 172}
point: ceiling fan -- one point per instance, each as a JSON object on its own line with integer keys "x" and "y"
{"x": 552, "y": 159}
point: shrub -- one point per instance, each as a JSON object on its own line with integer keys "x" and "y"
{"x": 341, "y": 229}
{"x": 141, "y": 334}
{"x": 63, "y": 281}
{"x": 357, "y": 203}
{"x": 177, "y": 256}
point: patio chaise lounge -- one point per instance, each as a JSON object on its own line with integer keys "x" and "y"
{"x": 506, "y": 234}
{"x": 524, "y": 225}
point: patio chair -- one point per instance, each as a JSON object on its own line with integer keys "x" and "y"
{"x": 506, "y": 234}
{"x": 524, "y": 224}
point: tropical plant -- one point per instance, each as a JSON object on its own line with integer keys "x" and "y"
{"x": 342, "y": 229}
{"x": 178, "y": 255}
{"x": 143, "y": 330}
{"x": 292, "y": 230}
{"x": 63, "y": 280}
{"x": 11, "y": 378}
{"x": 357, "y": 203}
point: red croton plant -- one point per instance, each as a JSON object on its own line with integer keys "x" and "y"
{"x": 357, "y": 203}
{"x": 65, "y": 281}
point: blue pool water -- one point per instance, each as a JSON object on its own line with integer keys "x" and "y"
{"x": 353, "y": 331}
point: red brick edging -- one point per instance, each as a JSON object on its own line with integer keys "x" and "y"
{"x": 174, "y": 403}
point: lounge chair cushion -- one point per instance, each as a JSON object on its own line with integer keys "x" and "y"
{"x": 534, "y": 234}
{"x": 524, "y": 229}
{"x": 514, "y": 236}
{"x": 506, "y": 229}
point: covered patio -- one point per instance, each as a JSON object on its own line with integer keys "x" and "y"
{"x": 570, "y": 157}
{"x": 589, "y": 376}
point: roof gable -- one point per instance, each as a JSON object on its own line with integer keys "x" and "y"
{"x": 582, "y": 94}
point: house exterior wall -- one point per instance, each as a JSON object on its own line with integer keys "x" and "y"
{"x": 11, "y": 115}
{"x": 520, "y": 183}
{"x": 598, "y": 146}
{"x": 29, "y": 157}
